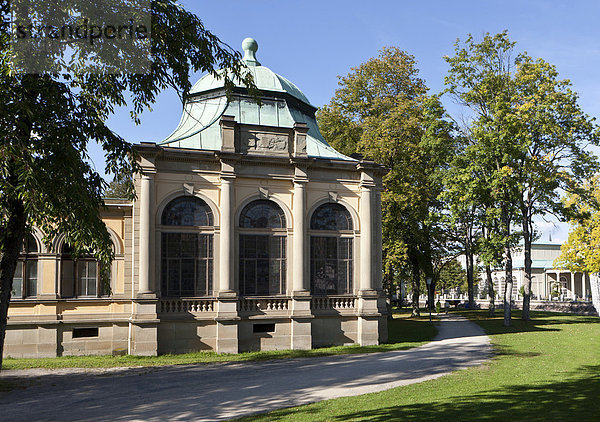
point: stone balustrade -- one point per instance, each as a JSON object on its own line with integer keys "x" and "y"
{"x": 333, "y": 303}
{"x": 186, "y": 305}
{"x": 257, "y": 304}
{"x": 263, "y": 304}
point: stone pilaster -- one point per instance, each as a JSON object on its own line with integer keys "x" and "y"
{"x": 227, "y": 304}
{"x": 370, "y": 319}
{"x": 301, "y": 329}
{"x": 226, "y": 240}
{"x": 366, "y": 238}
{"x": 146, "y": 227}
{"x": 299, "y": 280}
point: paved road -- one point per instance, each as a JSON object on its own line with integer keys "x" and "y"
{"x": 224, "y": 391}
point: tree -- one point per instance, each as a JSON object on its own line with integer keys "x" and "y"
{"x": 539, "y": 132}
{"x": 480, "y": 79}
{"x": 452, "y": 276}
{"x": 382, "y": 110}
{"x": 581, "y": 251}
{"x": 48, "y": 119}
{"x": 554, "y": 134}
{"x": 118, "y": 188}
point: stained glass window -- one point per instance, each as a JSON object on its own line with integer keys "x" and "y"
{"x": 331, "y": 253}
{"x": 187, "y": 257}
{"x": 187, "y": 264}
{"x": 187, "y": 211}
{"x": 262, "y": 264}
{"x": 331, "y": 216}
{"x": 262, "y": 214}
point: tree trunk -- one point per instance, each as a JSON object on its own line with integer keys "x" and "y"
{"x": 527, "y": 283}
{"x": 508, "y": 286}
{"x": 508, "y": 281}
{"x": 415, "y": 286}
{"x": 491, "y": 292}
{"x": 470, "y": 269}
{"x": 387, "y": 285}
{"x": 11, "y": 241}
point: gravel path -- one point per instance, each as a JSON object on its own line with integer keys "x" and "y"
{"x": 228, "y": 390}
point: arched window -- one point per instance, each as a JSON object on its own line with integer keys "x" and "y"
{"x": 26, "y": 273}
{"x": 262, "y": 249}
{"x": 80, "y": 275}
{"x": 187, "y": 211}
{"x": 331, "y": 243}
{"x": 187, "y": 248}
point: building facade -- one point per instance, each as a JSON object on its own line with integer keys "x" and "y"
{"x": 547, "y": 281}
{"x": 249, "y": 232}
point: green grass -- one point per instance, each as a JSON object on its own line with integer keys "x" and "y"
{"x": 547, "y": 369}
{"x": 404, "y": 333}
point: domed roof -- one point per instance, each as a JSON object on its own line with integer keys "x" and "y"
{"x": 199, "y": 125}
{"x": 264, "y": 78}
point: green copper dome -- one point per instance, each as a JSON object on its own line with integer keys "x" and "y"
{"x": 199, "y": 126}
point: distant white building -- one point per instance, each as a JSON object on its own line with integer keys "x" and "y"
{"x": 545, "y": 277}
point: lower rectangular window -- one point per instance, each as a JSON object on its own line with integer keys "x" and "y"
{"x": 85, "y": 332}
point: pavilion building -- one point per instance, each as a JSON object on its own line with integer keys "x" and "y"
{"x": 249, "y": 232}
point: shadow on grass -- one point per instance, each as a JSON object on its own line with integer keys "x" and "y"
{"x": 575, "y": 398}
{"x": 540, "y": 321}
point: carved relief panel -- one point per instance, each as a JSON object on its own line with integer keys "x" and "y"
{"x": 264, "y": 142}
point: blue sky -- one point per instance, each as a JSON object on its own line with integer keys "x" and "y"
{"x": 312, "y": 42}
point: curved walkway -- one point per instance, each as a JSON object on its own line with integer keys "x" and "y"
{"x": 224, "y": 391}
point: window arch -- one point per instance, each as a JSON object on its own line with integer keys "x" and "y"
{"x": 187, "y": 211}
{"x": 331, "y": 250}
{"x": 262, "y": 246}
{"x": 80, "y": 275}
{"x": 26, "y": 273}
{"x": 187, "y": 248}
{"x": 262, "y": 214}
{"x": 331, "y": 216}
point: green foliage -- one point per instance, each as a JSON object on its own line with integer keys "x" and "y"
{"x": 452, "y": 276}
{"x": 382, "y": 111}
{"x": 527, "y": 142}
{"x": 120, "y": 187}
{"x": 581, "y": 252}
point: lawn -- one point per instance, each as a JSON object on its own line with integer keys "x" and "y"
{"x": 404, "y": 333}
{"x": 547, "y": 369}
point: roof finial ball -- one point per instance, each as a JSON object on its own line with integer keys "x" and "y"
{"x": 250, "y": 47}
